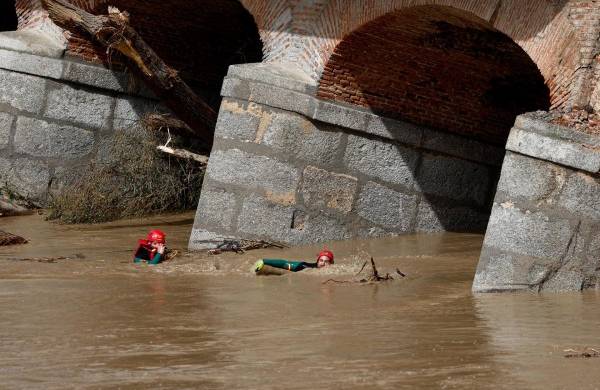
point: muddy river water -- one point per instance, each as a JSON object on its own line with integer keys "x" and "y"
{"x": 95, "y": 320}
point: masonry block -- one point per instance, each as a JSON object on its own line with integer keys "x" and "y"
{"x": 94, "y": 75}
{"x": 129, "y": 110}
{"x": 240, "y": 168}
{"x": 296, "y": 135}
{"x": 22, "y": 92}
{"x": 282, "y": 98}
{"x": 385, "y": 161}
{"x": 547, "y": 147}
{"x": 32, "y": 64}
{"x": 317, "y": 227}
{"x": 530, "y": 233}
{"x": 322, "y": 189}
{"x": 265, "y": 220}
{"x": 399, "y": 131}
{"x": 462, "y": 147}
{"x": 216, "y": 208}
{"x": 581, "y": 196}
{"x": 202, "y": 239}
{"x": 31, "y": 179}
{"x": 6, "y": 172}
{"x": 386, "y": 207}
{"x": 39, "y": 138}
{"x": 6, "y": 121}
{"x": 531, "y": 179}
{"x": 79, "y": 106}
{"x": 236, "y": 121}
{"x": 454, "y": 178}
{"x": 337, "y": 114}
{"x": 433, "y": 217}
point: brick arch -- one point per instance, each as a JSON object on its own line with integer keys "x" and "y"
{"x": 439, "y": 67}
{"x": 556, "y": 34}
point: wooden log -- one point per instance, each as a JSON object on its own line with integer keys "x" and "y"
{"x": 182, "y": 153}
{"x": 114, "y": 32}
{"x": 9, "y": 208}
{"x": 10, "y": 239}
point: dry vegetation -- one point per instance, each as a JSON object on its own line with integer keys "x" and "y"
{"x": 130, "y": 179}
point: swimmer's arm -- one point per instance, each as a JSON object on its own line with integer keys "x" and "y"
{"x": 158, "y": 257}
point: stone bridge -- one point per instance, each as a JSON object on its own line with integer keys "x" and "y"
{"x": 350, "y": 118}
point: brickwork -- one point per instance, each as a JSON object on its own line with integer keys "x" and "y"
{"x": 436, "y": 67}
{"x": 561, "y": 37}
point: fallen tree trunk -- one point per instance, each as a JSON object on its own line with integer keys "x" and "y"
{"x": 9, "y": 208}
{"x": 114, "y": 32}
{"x": 10, "y": 239}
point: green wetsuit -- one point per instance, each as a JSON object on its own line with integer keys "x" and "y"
{"x": 143, "y": 254}
{"x": 293, "y": 266}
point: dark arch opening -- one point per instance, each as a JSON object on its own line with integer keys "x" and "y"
{"x": 439, "y": 67}
{"x": 8, "y": 15}
{"x": 445, "y": 69}
{"x": 199, "y": 40}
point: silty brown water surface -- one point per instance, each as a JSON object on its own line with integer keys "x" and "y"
{"x": 98, "y": 321}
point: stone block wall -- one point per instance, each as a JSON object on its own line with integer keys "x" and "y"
{"x": 54, "y": 117}
{"x": 544, "y": 231}
{"x": 286, "y": 166}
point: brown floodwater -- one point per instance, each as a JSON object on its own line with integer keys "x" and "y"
{"x": 95, "y": 320}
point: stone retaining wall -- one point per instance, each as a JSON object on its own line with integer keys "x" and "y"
{"x": 54, "y": 116}
{"x": 544, "y": 231}
{"x": 286, "y": 166}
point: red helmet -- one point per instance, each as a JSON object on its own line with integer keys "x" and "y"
{"x": 326, "y": 253}
{"x": 156, "y": 236}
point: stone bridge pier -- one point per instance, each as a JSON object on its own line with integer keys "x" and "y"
{"x": 290, "y": 167}
{"x": 395, "y": 119}
{"x": 544, "y": 230}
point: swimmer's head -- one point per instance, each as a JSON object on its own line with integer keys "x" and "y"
{"x": 324, "y": 258}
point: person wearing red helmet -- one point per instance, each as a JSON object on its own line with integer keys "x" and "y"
{"x": 324, "y": 258}
{"x": 152, "y": 249}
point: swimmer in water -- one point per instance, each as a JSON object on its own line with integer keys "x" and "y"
{"x": 324, "y": 259}
{"x": 152, "y": 250}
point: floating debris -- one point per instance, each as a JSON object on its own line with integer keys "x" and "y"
{"x": 587, "y": 352}
{"x": 373, "y": 278}
{"x": 76, "y": 256}
{"x": 240, "y": 246}
{"x": 10, "y": 239}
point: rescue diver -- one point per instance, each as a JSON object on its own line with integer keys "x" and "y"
{"x": 324, "y": 259}
{"x": 151, "y": 250}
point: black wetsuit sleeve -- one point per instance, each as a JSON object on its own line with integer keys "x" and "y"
{"x": 305, "y": 265}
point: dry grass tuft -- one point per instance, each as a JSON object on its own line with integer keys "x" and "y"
{"x": 131, "y": 179}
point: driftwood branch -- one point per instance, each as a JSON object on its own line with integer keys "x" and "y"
{"x": 373, "y": 278}
{"x": 587, "y": 352}
{"x": 9, "y": 208}
{"x": 182, "y": 153}
{"x": 114, "y": 32}
{"x": 10, "y": 239}
{"x": 240, "y": 246}
{"x": 76, "y": 256}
